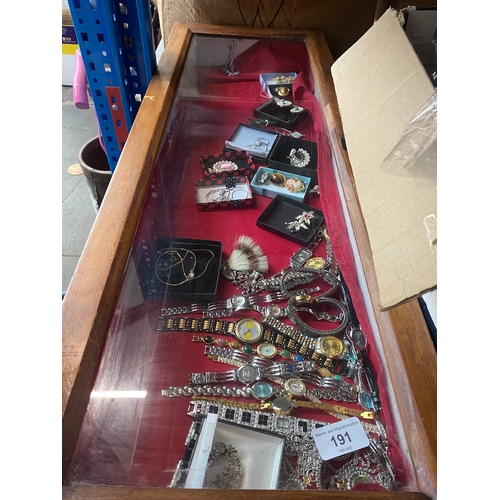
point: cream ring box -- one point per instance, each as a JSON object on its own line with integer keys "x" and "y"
{"x": 260, "y": 454}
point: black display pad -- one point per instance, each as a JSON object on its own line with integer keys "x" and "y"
{"x": 184, "y": 268}
{"x": 283, "y": 210}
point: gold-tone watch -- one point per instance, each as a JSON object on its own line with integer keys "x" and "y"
{"x": 284, "y": 404}
{"x": 246, "y": 330}
{"x": 316, "y": 263}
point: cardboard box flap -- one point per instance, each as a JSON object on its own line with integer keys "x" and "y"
{"x": 381, "y": 85}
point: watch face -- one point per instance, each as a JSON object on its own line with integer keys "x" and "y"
{"x": 246, "y": 374}
{"x": 300, "y": 256}
{"x": 274, "y": 311}
{"x": 295, "y": 387}
{"x": 262, "y": 390}
{"x": 248, "y": 330}
{"x": 358, "y": 337}
{"x": 282, "y": 404}
{"x": 330, "y": 346}
{"x": 238, "y": 300}
{"x": 316, "y": 263}
{"x": 267, "y": 350}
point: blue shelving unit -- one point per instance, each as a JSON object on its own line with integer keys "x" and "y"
{"x": 117, "y": 44}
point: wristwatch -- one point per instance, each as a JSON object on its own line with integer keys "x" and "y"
{"x": 236, "y": 357}
{"x": 307, "y": 303}
{"x": 246, "y": 330}
{"x": 260, "y": 390}
{"x": 328, "y": 345}
{"x": 247, "y": 374}
{"x": 283, "y": 405}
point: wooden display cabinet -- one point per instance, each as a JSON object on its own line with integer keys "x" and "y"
{"x": 105, "y": 299}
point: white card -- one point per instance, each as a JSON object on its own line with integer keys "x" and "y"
{"x": 340, "y": 438}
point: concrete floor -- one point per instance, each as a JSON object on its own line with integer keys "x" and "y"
{"x": 78, "y": 212}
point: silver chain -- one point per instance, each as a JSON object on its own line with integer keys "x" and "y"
{"x": 229, "y": 67}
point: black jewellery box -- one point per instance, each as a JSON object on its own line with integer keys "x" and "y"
{"x": 184, "y": 269}
{"x": 227, "y": 164}
{"x": 283, "y": 217}
{"x": 256, "y": 142}
{"x": 297, "y": 156}
{"x": 282, "y": 112}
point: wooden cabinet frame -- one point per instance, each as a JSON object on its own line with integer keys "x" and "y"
{"x": 88, "y": 303}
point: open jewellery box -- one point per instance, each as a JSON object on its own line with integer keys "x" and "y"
{"x": 259, "y": 454}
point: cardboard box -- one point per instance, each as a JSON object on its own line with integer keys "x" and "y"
{"x": 69, "y": 47}
{"x": 343, "y": 21}
{"x": 381, "y": 85}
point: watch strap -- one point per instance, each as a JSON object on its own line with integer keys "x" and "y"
{"x": 199, "y": 325}
{"x": 235, "y": 357}
{"x": 211, "y": 377}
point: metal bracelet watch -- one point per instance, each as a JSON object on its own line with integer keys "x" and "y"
{"x": 260, "y": 390}
{"x": 240, "y": 302}
{"x": 306, "y": 303}
{"x": 336, "y": 388}
{"x": 291, "y": 278}
{"x": 247, "y": 374}
{"x": 327, "y": 345}
{"x": 315, "y": 354}
{"x": 236, "y": 357}
{"x": 246, "y": 330}
{"x": 296, "y": 388}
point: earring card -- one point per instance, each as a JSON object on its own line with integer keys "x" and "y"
{"x": 281, "y": 211}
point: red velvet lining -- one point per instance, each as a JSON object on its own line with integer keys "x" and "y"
{"x": 139, "y": 443}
